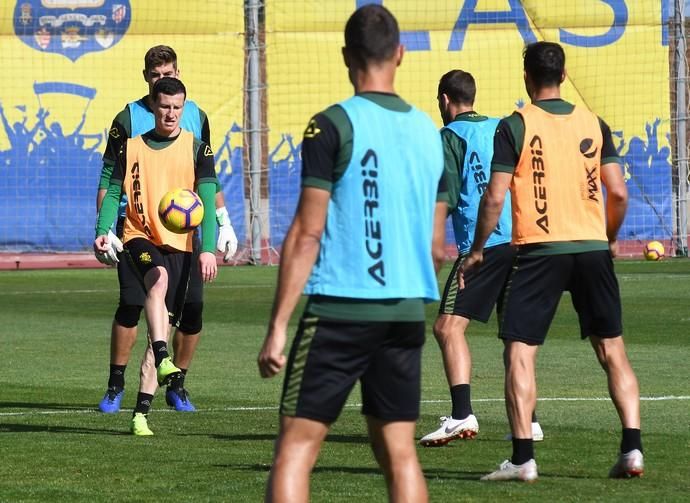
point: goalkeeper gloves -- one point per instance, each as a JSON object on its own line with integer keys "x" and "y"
{"x": 114, "y": 247}
{"x": 227, "y": 240}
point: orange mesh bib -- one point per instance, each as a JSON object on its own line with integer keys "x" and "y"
{"x": 556, "y": 188}
{"x": 150, "y": 174}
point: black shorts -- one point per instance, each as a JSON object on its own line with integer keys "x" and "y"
{"x": 133, "y": 294}
{"x": 195, "y": 290}
{"x": 535, "y": 287}
{"x": 144, "y": 256}
{"x": 328, "y": 357}
{"x": 483, "y": 288}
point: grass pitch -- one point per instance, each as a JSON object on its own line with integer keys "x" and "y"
{"x": 54, "y": 335}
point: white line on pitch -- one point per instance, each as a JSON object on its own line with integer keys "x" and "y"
{"x": 350, "y": 405}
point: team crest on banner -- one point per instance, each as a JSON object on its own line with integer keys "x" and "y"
{"x": 71, "y": 27}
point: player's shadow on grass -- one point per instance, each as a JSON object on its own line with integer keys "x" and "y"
{"x": 342, "y": 439}
{"x": 234, "y": 438}
{"x": 361, "y": 470}
{"x": 38, "y": 428}
{"x": 47, "y": 406}
{"x": 444, "y": 474}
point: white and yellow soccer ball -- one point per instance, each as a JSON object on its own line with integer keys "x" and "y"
{"x": 654, "y": 251}
{"x": 181, "y": 210}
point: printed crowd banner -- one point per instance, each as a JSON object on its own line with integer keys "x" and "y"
{"x": 617, "y": 64}
{"x": 70, "y": 65}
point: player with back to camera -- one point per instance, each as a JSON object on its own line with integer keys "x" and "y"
{"x": 467, "y": 147}
{"x": 555, "y": 157}
{"x": 146, "y": 168}
{"x": 138, "y": 118}
{"x": 367, "y": 163}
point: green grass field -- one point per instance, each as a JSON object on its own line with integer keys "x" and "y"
{"x": 54, "y": 335}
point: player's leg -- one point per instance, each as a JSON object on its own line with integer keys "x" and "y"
{"x": 528, "y": 306}
{"x": 312, "y": 399}
{"x": 147, "y": 389}
{"x": 296, "y": 450}
{"x": 391, "y": 393}
{"x": 520, "y": 399}
{"x": 187, "y": 300}
{"x": 186, "y": 337}
{"x": 152, "y": 266}
{"x": 122, "y": 340}
{"x": 184, "y": 346}
{"x": 156, "y": 281}
{"x": 393, "y": 445}
{"x": 149, "y": 373}
{"x": 449, "y": 331}
{"x": 622, "y": 382}
{"x": 520, "y": 386}
{"x": 458, "y": 306}
{"x": 596, "y": 297}
{"x": 123, "y": 333}
{"x": 625, "y": 393}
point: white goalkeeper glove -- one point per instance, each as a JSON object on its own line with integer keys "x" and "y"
{"x": 114, "y": 247}
{"x": 227, "y": 240}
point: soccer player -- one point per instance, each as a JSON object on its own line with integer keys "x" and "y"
{"x": 467, "y": 148}
{"x": 147, "y": 167}
{"x": 138, "y": 118}
{"x": 555, "y": 157}
{"x": 364, "y": 244}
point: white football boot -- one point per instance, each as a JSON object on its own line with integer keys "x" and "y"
{"x": 451, "y": 429}
{"x": 526, "y": 472}
{"x": 630, "y": 464}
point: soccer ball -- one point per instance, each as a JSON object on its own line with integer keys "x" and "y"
{"x": 181, "y": 210}
{"x": 654, "y": 250}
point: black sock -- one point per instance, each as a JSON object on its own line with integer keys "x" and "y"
{"x": 143, "y": 405}
{"x": 117, "y": 376}
{"x": 177, "y": 383}
{"x": 534, "y": 417}
{"x": 460, "y": 396}
{"x": 160, "y": 351}
{"x": 631, "y": 440}
{"x": 523, "y": 450}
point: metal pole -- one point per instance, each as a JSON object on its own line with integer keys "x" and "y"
{"x": 253, "y": 90}
{"x": 681, "y": 129}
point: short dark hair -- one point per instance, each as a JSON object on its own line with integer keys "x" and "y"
{"x": 544, "y": 62}
{"x": 159, "y": 55}
{"x": 371, "y": 35}
{"x": 170, "y": 86}
{"x": 459, "y": 86}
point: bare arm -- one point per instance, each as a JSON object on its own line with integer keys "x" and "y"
{"x": 616, "y": 202}
{"x": 438, "y": 242}
{"x": 490, "y": 208}
{"x": 220, "y": 199}
{"x": 298, "y": 255}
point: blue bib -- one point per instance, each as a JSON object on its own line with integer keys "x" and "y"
{"x": 143, "y": 121}
{"x": 476, "y": 170}
{"x": 377, "y": 240}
